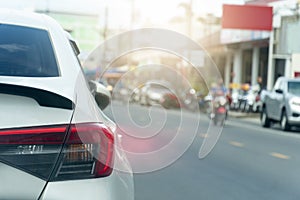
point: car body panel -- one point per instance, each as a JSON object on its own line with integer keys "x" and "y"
{"x": 105, "y": 188}
{"x": 18, "y": 185}
{"x": 20, "y": 112}
{"x": 27, "y": 112}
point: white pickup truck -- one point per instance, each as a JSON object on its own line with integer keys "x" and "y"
{"x": 282, "y": 104}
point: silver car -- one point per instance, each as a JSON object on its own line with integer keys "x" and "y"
{"x": 282, "y": 104}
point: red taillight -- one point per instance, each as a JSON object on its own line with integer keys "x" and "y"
{"x": 221, "y": 110}
{"x": 173, "y": 96}
{"x": 257, "y": 98}
{"x": 35, "y": 135}
{"x": 59, "y": 152}
{"x": 88, "y": 153}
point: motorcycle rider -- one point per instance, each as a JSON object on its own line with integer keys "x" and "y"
{"x": 219, "y": 98}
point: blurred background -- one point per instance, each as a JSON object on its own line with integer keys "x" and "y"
{"x": 234, "y": 43}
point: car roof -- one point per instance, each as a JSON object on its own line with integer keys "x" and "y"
{"x": 23, "y": 18}
{"x": 289, "y": 79}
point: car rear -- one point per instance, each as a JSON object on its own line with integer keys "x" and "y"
{"x": 54, "y": 141}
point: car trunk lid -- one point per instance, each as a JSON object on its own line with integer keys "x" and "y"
{"x": 33, "y": 127}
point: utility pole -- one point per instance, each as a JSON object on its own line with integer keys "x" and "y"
{"x": 132, "y": 14}
{"x": 270, "y": 61}
{"x": 104, "y": 33}
{"x": 190, "y": 18}
{"x": 47, "y": 7}
{"x": 188, "y": 15}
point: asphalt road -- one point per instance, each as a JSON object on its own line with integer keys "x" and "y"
{"x": 248, "y": 161}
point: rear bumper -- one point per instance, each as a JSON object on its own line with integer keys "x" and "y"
{"x": 116, "y": 186}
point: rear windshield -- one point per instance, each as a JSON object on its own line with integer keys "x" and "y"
{"x": 26, "y": 52}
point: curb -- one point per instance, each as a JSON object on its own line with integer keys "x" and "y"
{"x": 253, "y": 118}
{"x": 243, "y": 115}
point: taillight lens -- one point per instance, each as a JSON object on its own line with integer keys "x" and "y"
{"x": 88, "y": 153}
{"x": 257, "y": 98}
{"x": 60, "y": 152}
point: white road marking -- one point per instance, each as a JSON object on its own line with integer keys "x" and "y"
{"x": 236, "y": 144}
{"x": 280, "y": 156}
{"x": 204, "y": 135}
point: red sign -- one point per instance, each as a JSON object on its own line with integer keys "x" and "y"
{"x": 296, "y": 74}
{"x": 247, "y": 17}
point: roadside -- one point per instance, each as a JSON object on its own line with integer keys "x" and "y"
{"x": 253, "y": 118}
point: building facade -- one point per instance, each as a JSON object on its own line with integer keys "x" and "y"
{"x": 244, "y": 55}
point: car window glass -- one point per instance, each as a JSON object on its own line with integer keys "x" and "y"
{"x": 26, "y": 52}
{"x": 294, "y": 88}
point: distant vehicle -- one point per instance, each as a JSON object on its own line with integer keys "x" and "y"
{"x": 253, "y": 102}
{"x": 189, "y": 100}
{"x": 158, "y": 93}
{"x": 234, "y": 105}
{"x": 169, "y": 100}
{"x": 107, "y": 85}
{"x": 119, "y": 92}
{"x": 207, "y": 104}
{"x": 245, "y": 101}
{"x": 242, "y": 98}
{"x": 134, "y": 95}
{"x": 219, "y": 113}
{"x": 55, "y": 142}
{"x": 282, "y": 104}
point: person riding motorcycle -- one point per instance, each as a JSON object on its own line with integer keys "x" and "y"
{"x": 219, "y": 104}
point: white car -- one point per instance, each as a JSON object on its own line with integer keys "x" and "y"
{"x": 55, "y": 142}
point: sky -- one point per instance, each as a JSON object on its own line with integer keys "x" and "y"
{"x": 155, "y": 9}
{"x": 119, "y": 12}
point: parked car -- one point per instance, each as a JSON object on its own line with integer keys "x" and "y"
{"x": 55, "y": 142}
{"x": 169, "y": 100}
{"x": 282, "y": 104}
{"x": 158, "y": 93}
{"x": 134, "y": 96}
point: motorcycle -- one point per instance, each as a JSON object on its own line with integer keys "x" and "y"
{"x": 190, "y": 101}
{"x": 219, "y": 113}
{"x": 253, "y": 101}
{"x": 207, "y": 100}
{"x": 235, "y": 100}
